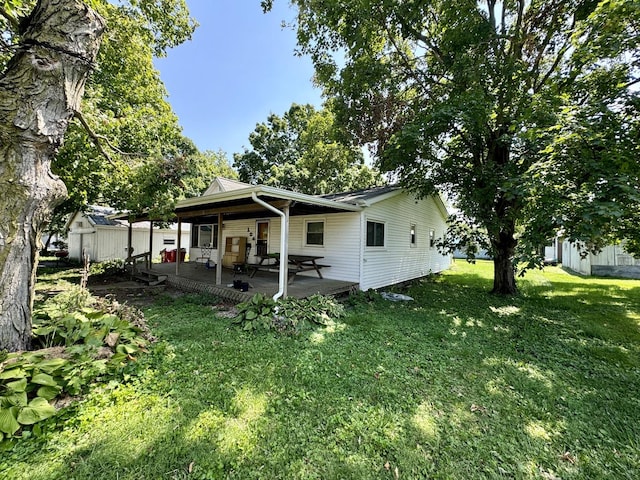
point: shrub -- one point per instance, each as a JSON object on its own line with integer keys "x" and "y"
{"x": 256, "y": 313}
{"x": 85, "y": 339}
{"x": 288, "y": 315}
{"x": 108, "y": 268}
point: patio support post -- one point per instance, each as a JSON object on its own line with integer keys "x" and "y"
{"x": 179, "y": 246}
{"x": 219, "y": 259}
{"x": 150, "y": 245}
{"x": 130, "y": 240}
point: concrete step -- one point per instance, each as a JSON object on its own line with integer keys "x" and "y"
{"x": 150, "y": 277}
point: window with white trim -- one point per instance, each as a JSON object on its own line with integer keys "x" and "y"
{"x": 432, "y": 238}
{"x": 205, "y": 236}
{"x": 375, "y": 234}
{"x": 412, "y": 235}
{"x": 314, "y": 233}
{"x": 168, "y": 241}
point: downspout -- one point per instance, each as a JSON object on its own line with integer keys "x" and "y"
{"x": 284, "y": 230}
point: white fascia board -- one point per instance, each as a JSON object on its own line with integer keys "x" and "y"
{"x": 261, "y": 190}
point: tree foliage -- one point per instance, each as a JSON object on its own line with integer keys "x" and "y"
{"x": 524, "y": 112}
{"x": 302, "y": 151}
{"x": 126, "y": 148}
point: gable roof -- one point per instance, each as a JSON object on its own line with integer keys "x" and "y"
{"x": 221, "y": 184}
{"x": 237, "y": 200}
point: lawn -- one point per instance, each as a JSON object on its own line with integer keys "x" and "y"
{"x": 457, "y": 384}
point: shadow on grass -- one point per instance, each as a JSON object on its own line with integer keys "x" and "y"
{"x": 459, "y": 384}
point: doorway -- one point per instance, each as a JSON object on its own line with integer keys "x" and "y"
{"x": 262, "y": 237}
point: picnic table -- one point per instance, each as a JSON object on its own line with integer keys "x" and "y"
{"x": 295, "y": 264}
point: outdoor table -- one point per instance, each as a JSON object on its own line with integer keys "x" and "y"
{"x": 296, "y": 264}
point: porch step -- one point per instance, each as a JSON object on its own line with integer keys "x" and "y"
{"x": 150, "y": 277}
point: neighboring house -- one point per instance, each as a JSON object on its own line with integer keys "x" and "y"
{"x": 612, "y": 261}
{"x": 375, "y": 237}
{"x": 104, "y": 238}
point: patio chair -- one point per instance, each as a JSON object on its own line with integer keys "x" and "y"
{"x": 205, "y": 257}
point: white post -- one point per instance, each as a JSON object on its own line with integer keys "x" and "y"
{"x": 219, "y": 259}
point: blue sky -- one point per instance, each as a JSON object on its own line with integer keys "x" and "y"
{"x": 238, "y": 68}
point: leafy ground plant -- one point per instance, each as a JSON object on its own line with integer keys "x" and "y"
{"x": 83, "y": 340}
{"x": 288, "y": 315}
{"x": 458, "y": 384}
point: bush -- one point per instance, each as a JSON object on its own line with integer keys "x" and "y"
{"x": 85, "y": 341}
{"x": 108, "y": 268}
{"x": 288, "y": 315}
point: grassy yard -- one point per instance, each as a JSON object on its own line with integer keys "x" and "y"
{"x": 458, "y": 384}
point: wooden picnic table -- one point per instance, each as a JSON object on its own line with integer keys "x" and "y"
{"x": 296, "y": 264}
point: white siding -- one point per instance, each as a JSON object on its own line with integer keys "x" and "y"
{"x": 341, "y": 242}
{"x": 572, "y": 260}
{"x": 341, "y": 249}
{"x": 103, "y": 242}
{"x": 609, "y": 256}
{"x": 344, "y": 248}
{"x": 398, "y": 261}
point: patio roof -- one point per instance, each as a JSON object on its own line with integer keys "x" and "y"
{"x": 239, "y": 203}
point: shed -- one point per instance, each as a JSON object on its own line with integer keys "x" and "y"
{"x": 105, "y": 238}
{"x": 611, "y": 261}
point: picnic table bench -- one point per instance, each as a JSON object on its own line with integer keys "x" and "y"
{"x": 296, "y": 264}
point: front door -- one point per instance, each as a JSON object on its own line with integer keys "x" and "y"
{"x": 262, "y": 239}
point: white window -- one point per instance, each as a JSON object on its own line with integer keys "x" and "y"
{"x": 412, "y": 235}
{"x": 432, "y": 238}
{"x": 375, "y": 234}
{"x": 314, "y": 233}
{"x": 205, "y": 236}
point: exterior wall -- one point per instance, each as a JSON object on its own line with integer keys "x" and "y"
{"x": 103, "y": 242}
{"x": 572, "y": 260}
{"x": 344, "y": 248}
{"x": 398, "y": 261}
{"x": 341, "y": 249}
{"x": 611, "y": 261}
{"x": 341, "y": 242}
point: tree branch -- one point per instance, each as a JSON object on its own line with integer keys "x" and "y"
{"x": 11, "y": 19}
{"x": 98, "y": 139}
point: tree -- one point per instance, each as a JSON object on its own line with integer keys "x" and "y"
{"x": 126, "y": 122}
{"x": 39, "y": 91}
{"x": 54, "y": 46}
{"x": 301, "y": 151}
{"x": 521, "y": 111}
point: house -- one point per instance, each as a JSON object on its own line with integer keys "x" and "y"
{"x": 104, "y": 238}
{"x": 612, "y": 261}
{"x": 374, "y": 237}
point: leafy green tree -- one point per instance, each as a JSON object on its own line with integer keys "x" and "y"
{"x": 302, "y": 151}
{"x": 523, "y": 112}
{"x": 47, "y": 50}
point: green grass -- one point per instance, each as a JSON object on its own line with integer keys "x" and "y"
{"x": 458, "y": 384}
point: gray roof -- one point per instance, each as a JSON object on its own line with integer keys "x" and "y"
{"x": 101, "y": 219}
{"x": 361, "y": 195}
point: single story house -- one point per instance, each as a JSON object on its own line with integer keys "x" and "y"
{"x": 105, "y": 238}
{"x": 374, "y": 237}
{"x": 612, "y": 261}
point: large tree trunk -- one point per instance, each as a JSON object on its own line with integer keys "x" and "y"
{"x": 39, "y": 93}
{"x": 504, "y": 279}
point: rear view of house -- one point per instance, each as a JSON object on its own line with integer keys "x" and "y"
{"x": 373, "y": 238}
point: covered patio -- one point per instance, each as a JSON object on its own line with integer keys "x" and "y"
{"x": 196, "y": 277}
{"x": 225, "y": 210}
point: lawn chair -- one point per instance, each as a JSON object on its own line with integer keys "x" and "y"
{"x": 205, "y": 257}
